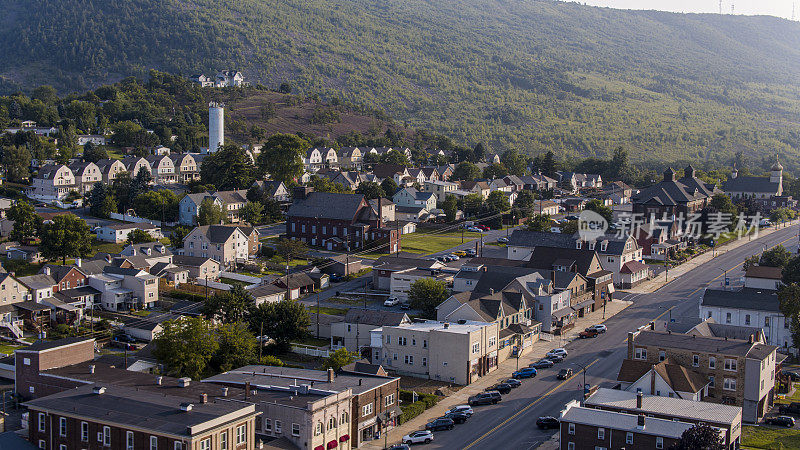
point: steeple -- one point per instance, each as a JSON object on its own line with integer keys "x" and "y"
{"x": 735, "y": 172}
{"x": 669, "y": 174}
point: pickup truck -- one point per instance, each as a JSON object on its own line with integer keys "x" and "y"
{"x": 586, "y": 334}
{"x": 792, "y": 408}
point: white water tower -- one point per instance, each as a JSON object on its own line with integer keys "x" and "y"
{"x": 216, "y": 126}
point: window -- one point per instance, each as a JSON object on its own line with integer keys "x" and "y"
{"x": 492, "y": 341}
{"x": 476, "y": 347}
{"x": 727, "y": 317}
{"x": 712, "y": 362}
{"x": 345, "y": 418}
{"x": 629, "y": 438}
{"x": 296, "y": 429}
{"x": 267, "y": 424}
{"x": 766, "y": 322}
{"x": 178, "y": 445}
{"x": 42, "y": 444}
{"x": 730, "y": 364}
{"x": 659, "y": 442}
{"x": 389, "y": 400}
{"x": 318, "y": 429}
{"x": 129, "y": 441}
{"x": 601, "y": 433}
{"x": 571, "y": 428}
{"x": 205, "y": 444}
{"x": 662, "y": 355}
{"x": 570, "y": 446}
{"x": 62, "y": 426}
{"x": 696, "y": 360}
{"x": 62, "y": 447}
{"x": 107, "y": 436}
{"x": 711, "y": 381}
{"x": 640, "y": 353}
{"x": 153, "y": 443}
{"x": 424, "y": 343}
{"x": 729, "y": 384}
{"x": 366, "y": 410}
{"x": 747, "y": 319}
{"x": 424, "y": 362}
{"x": 388, "y": 339}
{"x": 331, "y": 423}
{"x": 42, "y": 422}
{"x": 409, "y": 359}
{"x": 84, "y": 432}
{"x": 241, "y": 432}
{"x": 278, "y": 429}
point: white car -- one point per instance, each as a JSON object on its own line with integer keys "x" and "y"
{"x": 598, "y": 328}
{"x": 502, "y": 240}
{"x": 391, "y": 301}
{"x": 418, "y": 437}
{"x": 466, "y": 409}
{"x": 475, "y": 230}
{"x": 558, "y": 351}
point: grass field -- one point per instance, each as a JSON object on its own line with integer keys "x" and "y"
{"x": 233, "y": 282}
{"x": 21, "y": 268}
{"x": 328, "y": 310}
{"x": 770, "y": 437}
{"x": 7, "y": 348}
{"x": 105, "y": 247}
{"x": 795, "y": 397}
{"x": 428, "y": 243}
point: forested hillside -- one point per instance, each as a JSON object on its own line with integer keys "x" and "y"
{"x": 531, "y": 75}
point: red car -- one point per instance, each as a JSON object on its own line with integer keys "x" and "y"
{"x": 483, "y": 227}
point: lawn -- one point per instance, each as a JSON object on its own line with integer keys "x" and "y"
{"x": 233, "y": 282}
{"x": 141, "y": 313}
{"x": 348, "y": 301}
{"x": 428, "y": 243}
{"x": 795, "y": 397}
{"x": 328, "y": 310}
{"x": 19, "y": 267}
{"x": 312, "y": 341}
{"x": 769, "y": 437}
{"x": 105, "y": 247}
{"x": 7, "y": 348}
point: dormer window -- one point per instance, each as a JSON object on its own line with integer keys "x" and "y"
{"x": 578, "y": 245}
{"x": 603, "y": 246}
{"x": 591, "y": 245}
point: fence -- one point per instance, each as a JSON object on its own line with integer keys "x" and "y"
{"x": 240, "y": 277}
{"x": 546, "y": 337}
{"x": 135, "y": 219}
{"x": 310, "y": 351}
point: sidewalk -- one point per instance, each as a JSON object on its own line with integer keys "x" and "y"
{"x": 503, "y": 372}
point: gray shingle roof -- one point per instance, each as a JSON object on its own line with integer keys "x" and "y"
{"x": 723, "y": 346}
{"x": 39, "y": 281}
{"x": 750, "y": 184}
{"x": 375, "y": 317}
{"x": 746, "y": 298}
{"x": 327, "y": 205}
{"x": 666, "y": 406}
{"x": 625, "y": 422}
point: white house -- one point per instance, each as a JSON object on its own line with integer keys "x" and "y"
{"x": 53, "y": 182}
{"x": 119, "y": 232}
{"x": 748, "y": 307}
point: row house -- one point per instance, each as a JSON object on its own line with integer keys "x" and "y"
{"x": 353, "y": 330}
{"x": 125, "y": 289}
{"x": 441, "y": 189}
{"x": 187, "y": 168}
{"x": 162, "y": 169}
{"x": 226, "y": 244}
{"x": 110, "y": 169}
{"x": 576, "y": 181}
{"x": 230, "y": 201}
{"x": 274, "y": 189}
{"x": 414, "y": 205}
{"x": 87, "y": 174}
{"x": 134, "y": 164}
{"x": 338, "y": 221}
{"x": 442, "y": 173}
{"x": 52, "y": 182}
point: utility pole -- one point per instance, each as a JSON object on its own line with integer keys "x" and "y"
{"x": 261, "y": 337}
{"x": 317, "y": 315}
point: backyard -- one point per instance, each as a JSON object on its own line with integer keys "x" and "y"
{"x": 768, "y": 437}
{"x": 425, "y": 243}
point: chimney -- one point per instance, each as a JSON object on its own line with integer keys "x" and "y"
{"x": 186, "y": 407}
{"x": 640, "y": 421}
{"x": 652, "y": 386}
{"x": 330, "y": 375}
{"x": 203, "y": 398}
{"x": 553, "y": 277}
{"x": 133, "y": 251}
{"x": 184, "y": 382}
{"x": 491, "y": 291}
{"x": 639, "y": 397}
{"x": 224, "y": 391}
{"x": 78, "y": 262}
{"x": 246, "y": 390}
{"x": 652, "y": 326}
{"x": 751, "y": 338}
{"x": 91, "y": 368}
{"x": 159, "y": 380}
{"x": 99, "y": 390}
{"x": 759, "y": 335}
{"x": 46, "y": 270}
{"x": 359, "y": 381}
{"x": 446, "y": 325}
{"x": 630, "y": 345}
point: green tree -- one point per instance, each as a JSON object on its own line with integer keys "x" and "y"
{"x": 66, "y": 236}
{"x": 210, "y": 213}
{"x": 396, "y": 157}
{"x": 777, "y": 256}
{"x": 539, "y": 222}
{"x": 722, "y": 203}
{"x": 791, "y": 271}
{"x": 426, "y": 294}
{"x": 237, "y": 347}
{"x": 94, "y": 153}
{"x": 570, "y": 228}
{"x": 27, "y": 224}
{"x": 497, "y": 202}
{"x": 46, "y": 93}
{"x": 389, "y": 187}
{"x": 516, "y": 163}
{"x": 186, "y": 346}
{"x": 698, "y": 437}
{"x": 370, "y": 190}
{"x": 178, "y": 235}
{"x": 749, "y": 262}
{"x": 290, "y": 249}
{"x": 466, "y": 171}
{"x": 283, "y": 321}
{"x": 101, "y": 201}
{"x": 472, "y": 204}
{"x": 229, "y": 306}
{"x": 282, "y": 157}
{"x": 450, "y": 207}
{"x": 252, "y": 213}
{"x": 495, "y": 171}
{"x": 121, "y": 191}
{"x": 229, "y": 168}
{"x": 339, "y": 358}
{"x": 158, "y": 205}
{"x": 138, "y": 236}
{"x": 526, "y": 200}
{"x": 779, "y": 215}
{"x": 598, "y": 207}
{"x": 550, "y": 165}
{"x": 16, "y": 163}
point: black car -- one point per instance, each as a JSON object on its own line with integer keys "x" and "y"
{"x": 442, "y": 423}
{"x": 547, "y": 422}
{"x": 563, "y": 374}
{"x": 791, "y": 374}
{"x": 555, "y": 358}
{"x": 782, "y": 421}
{"x": 543, "y": 364}
{"x": 457, "y": 416}
{"x": 503, "y": 388}
{"x": 792, "y": 408}
{"x": 400, "y": 447}
{"x": 513, "y": 382}
{"x": 485, "y": 398}
{"x": 124, "y": 338}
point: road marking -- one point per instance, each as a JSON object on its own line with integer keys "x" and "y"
{"x": 530, "y": 405}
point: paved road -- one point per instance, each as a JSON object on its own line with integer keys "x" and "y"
{"x": 511, "y": 423}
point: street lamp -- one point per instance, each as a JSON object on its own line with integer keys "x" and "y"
{"x": 584, "y": 377}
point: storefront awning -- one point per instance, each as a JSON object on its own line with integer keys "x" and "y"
{"x": 563, "y": 312}
{"x": 344, "y": 438}
{"x": 333, "y": 444}
{"x": 583, "y": 304}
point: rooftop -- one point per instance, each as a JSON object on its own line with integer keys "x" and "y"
{"x": 668, "y": 406}
{"x": 624, "y": 422}
{"x": 467, "y": 327}
{"x": 723, "y": 346}
{"x": 753, "y": 299}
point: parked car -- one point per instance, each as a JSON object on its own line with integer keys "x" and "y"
{"x": 514, "y": 383}
{"x": 484, "y": 398}
{"x": 442, "y": 259}
{"x": 571, "y": 217}
{"x": 502, "y": 240}
{"x": 391, "y": 301}
{"x": 791, "y": 374}
{"x": 466, "y": 409}
{"x": 474, "y": 229}
{"x": 542, "y": 364}
{"x": 502, "y": 388}
{"x": 792, "y": 408}
{"x": 453, "y": 257}
{"x": 471, "y": 253}
{"x": 125, "y": 338}
{"x": 563, "y": 374}
{"x": 441, "y": 423}
{"x": 587, "y": 334}
{"x": 460, "y": 253}
{"x": 457, "y": 416}
{"x": 418, "y": 437}
{"x": 400, "y": 447}
{"x": 555, "y": 358}
{"x": 483, "y": 227}
{"x": 599, "y": 328}
{"x": 547, "y": 423}
{"x": 527, "y": 372}
{"x": 405, "y": 306}
{"x": 335, "y": 278}
{"x": 781, "y": 421}
{"x": 558, "y": 351}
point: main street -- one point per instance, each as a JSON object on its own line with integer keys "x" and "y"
{"x": 512, "y": 422}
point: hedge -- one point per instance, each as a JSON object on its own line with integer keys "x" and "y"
{"x": 411, "y": 410}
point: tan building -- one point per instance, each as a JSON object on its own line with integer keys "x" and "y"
{"x": 353, "y": 331}
{"x": 86, "y": 175}
{"x": 198, "y": 267}
{"x": 440, "y": 189}
{"x": 110, "y": 169}
{"x": 740, "y": 372}
{"x": 224, "y": 244}
{"x": 53, "y": 182}
{"x": 186, "y": 167}
{"x": 452, "y": 352}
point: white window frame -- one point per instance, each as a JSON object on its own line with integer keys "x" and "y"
{"x": 730, "y": 364}
{"x": 42, "y": 422}
{"x": 366, "y": 410}
{"x": 84, "y": 432}
{"x": 659, "y": 442}
{"x": 129, "y": 440}
{"x": 629, "y": 438}
{"x": 601, "y": 433}
{"x": 153, "y": 442}
{"x": 241, "y": 433}
{"x": 106, "y": 436}
{"x": 640, "y": 353}
{"x": 729, "y": 384}
{"x": 571, "y": 428}
{"x": 223, "y": 440}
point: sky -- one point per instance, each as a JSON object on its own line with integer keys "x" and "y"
{"x": 779, "y": 8}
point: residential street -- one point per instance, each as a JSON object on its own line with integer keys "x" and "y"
{"x": 511, "y": 423}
